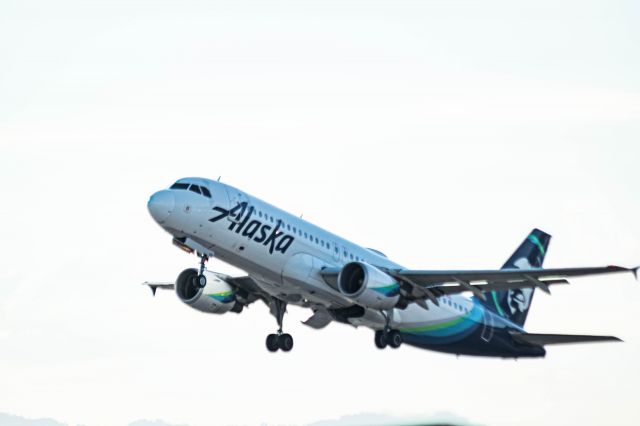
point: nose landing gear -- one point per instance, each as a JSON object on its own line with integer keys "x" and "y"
{"x": 200, "y": 280}
{"x": 282, "y": 341}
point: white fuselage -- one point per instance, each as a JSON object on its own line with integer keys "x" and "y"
{"x": 286, "y": 265}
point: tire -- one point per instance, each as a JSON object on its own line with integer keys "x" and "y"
{"x": 272, "y": 343}
{"x": 395, "y": 339}
{"x": 285, "y": 342}
{"x": 380, "y": 339}
{"x": 201, "y": 280}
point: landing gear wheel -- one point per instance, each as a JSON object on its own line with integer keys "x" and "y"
{"x": 285, "y": 342}
{"x": 395, "y": 339}
{"x": 380, "y": 339}
{"x": 272, "y": 342}
{"x": 282, "y": 341}
{"x": 201, "y": 281}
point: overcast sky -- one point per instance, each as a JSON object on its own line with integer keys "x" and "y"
{"x": 439, "y": 132}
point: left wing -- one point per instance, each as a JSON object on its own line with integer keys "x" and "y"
{"x": 247, "y": 291}
{"x": 155, "y": 286}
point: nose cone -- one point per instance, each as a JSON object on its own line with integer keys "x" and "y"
{"x": 161, "y": 205}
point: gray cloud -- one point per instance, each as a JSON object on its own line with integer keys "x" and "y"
{"x": 377, "y": 419}
{"x": 11, "y": 420}
{"x": 153, "y": 423}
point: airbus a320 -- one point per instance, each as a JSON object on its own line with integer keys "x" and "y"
{"x": 290, "y": 261}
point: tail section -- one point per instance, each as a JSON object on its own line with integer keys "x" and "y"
{"x": 514, "y": 304}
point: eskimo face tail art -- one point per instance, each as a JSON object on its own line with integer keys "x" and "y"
{"x": 514, "y": 303}
{"x": 291, "y": 261}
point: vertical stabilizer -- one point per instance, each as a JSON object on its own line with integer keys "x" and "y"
{"x": 514, "y": 304}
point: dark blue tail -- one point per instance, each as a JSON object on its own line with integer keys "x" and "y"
{"x": 514, "y": 304}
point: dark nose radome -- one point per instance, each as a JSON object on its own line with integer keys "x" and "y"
{"x": 161, "y": 205}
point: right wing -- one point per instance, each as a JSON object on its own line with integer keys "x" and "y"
{"x": 431, "y": 284}
{"x": 418, "y": 285}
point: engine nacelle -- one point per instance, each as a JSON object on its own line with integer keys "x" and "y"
{"x": 368, "y": 286}
{"x": 217, "y": 297}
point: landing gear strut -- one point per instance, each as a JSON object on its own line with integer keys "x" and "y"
{"x": 387, "y": 336}
{"x": 282, "y": 341}
{"x": 200, "y": 280}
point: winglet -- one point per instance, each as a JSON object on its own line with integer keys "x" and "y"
{"x": 154, "y": 286}
{"x": 635, "y": 271}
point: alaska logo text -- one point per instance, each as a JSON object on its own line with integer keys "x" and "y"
{"x": 241, "y": 223}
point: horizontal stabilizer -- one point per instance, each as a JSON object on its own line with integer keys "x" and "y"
{"x": 556, "y": 339}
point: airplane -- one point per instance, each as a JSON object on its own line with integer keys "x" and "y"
{"x": 291, "y": 261}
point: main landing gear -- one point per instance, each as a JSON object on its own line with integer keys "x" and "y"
{"x": 387, "y": 336}
{"x": 282, "y": 341}
{"x": 200, "y": 280}
{"x": 392, "y": 338}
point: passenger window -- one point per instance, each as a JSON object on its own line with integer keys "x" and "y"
{"x": 317, "y": 242}
{"x": 294, "y": 230}
{"x": 288, "y": 227}
{"x": 305, "y": 235}
{"x": 205, "y": 192}
{"x": 195, "y": 188}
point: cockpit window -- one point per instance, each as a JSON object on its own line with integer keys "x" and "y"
{"x": 193, "y": 188}
{"x": 179, "y": 186}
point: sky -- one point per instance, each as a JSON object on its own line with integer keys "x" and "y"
{"x": 440, "y": 132}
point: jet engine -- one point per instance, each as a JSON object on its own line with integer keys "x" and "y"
{"x": 217, "y": 296}
{"x": 368, "y": 286}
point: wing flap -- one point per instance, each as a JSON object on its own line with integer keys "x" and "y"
{"x": 427, "y": 278}
{"x": 493, "y": 286}
{"x": 319, "y": 319}
{"x": 558, "y": 339}
{"x": 440, "y": 283}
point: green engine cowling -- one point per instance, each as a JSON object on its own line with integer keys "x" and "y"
{"x": 368, "y": 286}
{"x": 217, "y": 296}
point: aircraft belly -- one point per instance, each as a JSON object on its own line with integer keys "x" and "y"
{"x": 300, "y": 275}
{"x": 438, "y": 326}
